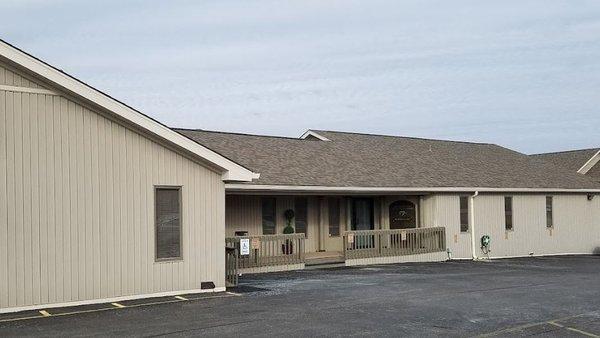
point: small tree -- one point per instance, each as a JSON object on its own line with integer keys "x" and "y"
{"x": 289, "y": 218}
{"x": 288, "y": 247}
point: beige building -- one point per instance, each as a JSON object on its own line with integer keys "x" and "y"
{"x": 355, "y": 182}
{"x": 97, "y": 201}
{"x": 100, "y": 203}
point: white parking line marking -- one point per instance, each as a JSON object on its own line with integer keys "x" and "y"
{"x": 582, "y": 332}
{"x": 118, "y": 306}
{"x": 573, "y": 329}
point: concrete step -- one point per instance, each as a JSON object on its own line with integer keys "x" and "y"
{"x": 324, "y": 260}
{"x": 324, "y": 266}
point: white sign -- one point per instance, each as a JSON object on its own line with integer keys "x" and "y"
{"x": 244, "y": 246}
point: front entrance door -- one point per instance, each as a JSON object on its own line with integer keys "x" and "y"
{"x": 362, "y": 214}
{"x": 403, "y": 215}
{"x": 332, "y": 226}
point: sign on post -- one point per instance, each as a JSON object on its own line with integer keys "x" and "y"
{"x": 255, "y": 242}
{"x": 244, "y": 246}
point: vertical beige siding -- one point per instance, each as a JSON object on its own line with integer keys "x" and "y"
{"x": 77, "y": 206}
{"x": 243, "y": 213}
{"x": 10, "y": 77}
{"x": 576, "y": 224}
{"x": 446, "y": 213}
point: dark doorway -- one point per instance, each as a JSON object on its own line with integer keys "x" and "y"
{"x": 362, "y": 214}
{"x": 403, "y": 215}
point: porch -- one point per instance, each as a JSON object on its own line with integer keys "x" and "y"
{"x": 324, "y": 219}
{"x": 334, "y": 229}
{"x": 269, "y": 253}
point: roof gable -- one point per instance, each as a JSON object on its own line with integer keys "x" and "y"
{"x": 231, "y": 171}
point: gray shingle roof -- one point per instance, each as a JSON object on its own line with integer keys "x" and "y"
{"x": 363, "y": 160}
{"x": 573, "y": 160}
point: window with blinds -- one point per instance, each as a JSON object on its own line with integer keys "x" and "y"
{"x": 549, "y": 212}
{"x": 268, "y": 216}
{"x": 508, "y": 213}
{"x": 168, "y": 223}
{"x": 334, "y": 217}
{"x": 464, "y": 214}
{"x": 301, "y": 217}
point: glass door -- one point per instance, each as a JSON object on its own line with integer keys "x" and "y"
{"x": 362, "y": 219}
{"x": 362, "y": 214}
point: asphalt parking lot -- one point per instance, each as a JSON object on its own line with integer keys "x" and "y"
{"x": 552, "y": 296}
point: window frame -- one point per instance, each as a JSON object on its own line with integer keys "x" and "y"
{"x": 179, "y": 188}
{"x": 262, "y": 217}
{"x": 468, "y": 213}
{"x": 550, "y": 220}
{"x": 506, "y": 214}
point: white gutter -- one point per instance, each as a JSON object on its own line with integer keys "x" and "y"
{"x": 472, "y": 207}
{"x": 241, "y": 187}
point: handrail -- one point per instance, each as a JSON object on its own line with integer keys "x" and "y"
{"x": 398, "y": 242}
{"x": 269, "y": 250}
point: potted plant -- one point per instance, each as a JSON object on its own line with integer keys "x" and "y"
{"x": 288, "y": 246}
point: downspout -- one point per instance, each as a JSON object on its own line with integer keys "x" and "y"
{"x": 472, "y": 207}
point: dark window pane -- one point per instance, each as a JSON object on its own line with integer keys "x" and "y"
{"x": 334, "y": 216}
{"x": 268, "y": 216}
{"x": 549, "y": 220}
{"x": 464, "y": 214}
{"x": 300, "y": 209}
{"x": 168, "y": 223}
{"x": 508, "y": 213}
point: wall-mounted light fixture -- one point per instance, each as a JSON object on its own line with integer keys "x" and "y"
{"x": 590, "y": 197}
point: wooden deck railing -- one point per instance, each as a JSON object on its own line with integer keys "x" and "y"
{"x": 269, "y": 250}
{"x": 231, "y": 267}
{"x": 385, "y": 243}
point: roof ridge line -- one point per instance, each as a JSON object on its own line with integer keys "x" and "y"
{"x": 404, "y": 137}
{"x": 565, "y": 151}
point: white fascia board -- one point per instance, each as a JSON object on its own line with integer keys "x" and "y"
{"x": 590, "y": 163}
{"x": 231, "y": 171}
{"x": 312, "y": 133}
{"x": 232, "y": 187}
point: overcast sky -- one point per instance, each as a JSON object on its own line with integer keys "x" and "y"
{"x": 523, "y": 74}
